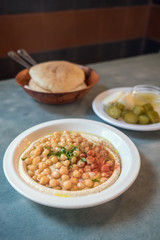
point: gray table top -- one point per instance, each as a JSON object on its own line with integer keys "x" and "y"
{"x": 133, "y": 215}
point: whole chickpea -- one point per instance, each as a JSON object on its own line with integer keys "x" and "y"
{"x": 64, "y": 170}
{"x": 63, "y": 157}
{"x": 80, "y": 163}
{"x": 74, "y": 180}
{"x": 85, "y": 175}
{"x": 36, "y": 160}
{"x": 67, "y": 184}
{"x": 77, "y": 174}
{"x": 65, "y": 177}
{"x": 53, "y": 183}
{"x": 49, "y": 162}
{"x": 44, "y": 180}
{"x": 58, "y": 165}
{"x": 73, "y": 159}
{"x": 56, "y": 174}
{"x": 81, "y": 185}
{"x": 54, "y": 159}
{"x": 89, "y": 183}
{"x": 28, "y": 161}
{"x": 47, "y": 171}
{"x": 42, "y": 165}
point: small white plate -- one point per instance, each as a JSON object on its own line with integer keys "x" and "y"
{"x": 98, "y": 109}
{"x": 130, "y": 162}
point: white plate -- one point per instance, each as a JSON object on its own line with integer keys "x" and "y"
{"x": 128, "y": 152}
{"x": 98, "y": 109}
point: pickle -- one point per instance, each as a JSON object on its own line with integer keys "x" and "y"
{"x": 131, "y": 117}
{"x": 138, "y": 109}
{"x": 147, "y": 107}
{"x": 124, "y": 112}
{"x": 120, "y": 106}
{"x": 143, "y": 119}
{"x": 153, "y": 116}
{"x": 113, "y": 111}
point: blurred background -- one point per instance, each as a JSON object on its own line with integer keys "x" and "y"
{"x": 85, "y": 31}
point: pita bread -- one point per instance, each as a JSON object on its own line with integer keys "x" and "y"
{"x": 58, "y": 76}
{"x": 33, "y": 86}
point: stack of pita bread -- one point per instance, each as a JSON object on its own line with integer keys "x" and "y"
{"x": 56, "y": 77}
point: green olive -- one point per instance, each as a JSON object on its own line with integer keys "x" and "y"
{"x": 131, "y": 117}
{"x": 138, "y": 109}
{"x": 143, "y": 119}
{"x": 153, "y": 116}
{"x": 113, "y": 111}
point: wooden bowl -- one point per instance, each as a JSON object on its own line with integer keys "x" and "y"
{"x": 91, "y": 78}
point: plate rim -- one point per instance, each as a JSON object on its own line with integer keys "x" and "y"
{"x": 100, "y": 113}
{"x": 37, "y": 196}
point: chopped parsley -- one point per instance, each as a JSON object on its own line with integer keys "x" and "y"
{"x": 83, "y": 159}
{"x": 23, "y": 159}
{"x": 95, "y": 180}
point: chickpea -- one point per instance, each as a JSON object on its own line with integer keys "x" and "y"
{"x": 44, "y": 180}
{"x": 80, "y": 163}
{"x": 35, "y": 178}
{"x": 74, "y": 167}
{"x": 53, "y": 183}
{"x": 77, "y": 174}
{"x": 86, "y": 149}
{"x": 42, "y": 165}
{"x": 74, "y": 188}
{"x": 58, "y": 188}
{"x": 56, "y": 174}
{"x": 43, "y": 140}
{"x": 64, "y": 170}
{"x": 56, "y": 134}
{"x": 45, "y": 152}
{"x": 69, "y": 140}
{"x": 49, "y": 162}
{"x": 33, "y": 167}
{"x": 47, "y": 171}
{"x": 36, "y": 160}
{"x": 85, "y": 176}
{"x": 40, "y": 176}
{"x": 65, "y": 177}
{"x": 110, "y": 163}
{"x": 38, "y": 171}
{"x": 81, "y": 185}
{"x": 89, "y": 183}
{"x": 74, "y": 180}
{"x": 54, "y": 159}
{"x": 73, "y": 159}
{"x": 68, "y": 146}
{"x": 103, "y": 179}
{"x": 28, "y": 161}
{"x": 30, "y": 173}
{"x": 63, "y": 157}
{"x": 38, "y": 151}
{"x": 67, "y": 184}
{"x": 66, "y": 163}
{"x": 58, "y": 165}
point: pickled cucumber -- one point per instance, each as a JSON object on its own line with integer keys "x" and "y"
{"x": 147, "y": 107}
{"x": 131, "y": 117}
{"x": 113, "y": 111}
{"x": 143, "y": 119}
{"x": 138, "y": 109}
{"x": 140, "y": 114}
{"x": 153, "y": 116}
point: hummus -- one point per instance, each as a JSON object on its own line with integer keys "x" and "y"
{"x": 88, "y": 166}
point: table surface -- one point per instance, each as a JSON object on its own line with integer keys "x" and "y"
{"x": 133, "y": 215}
